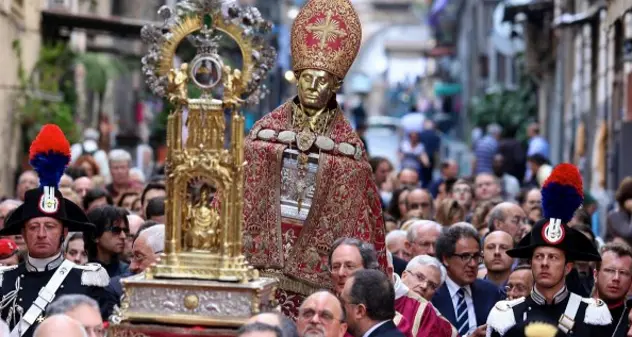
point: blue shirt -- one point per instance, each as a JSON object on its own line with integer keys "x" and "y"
{"x": 484, "y": 151}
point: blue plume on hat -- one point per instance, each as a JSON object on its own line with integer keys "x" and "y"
{"x": 49, "y": 155}
{"x": 562, "y": 193}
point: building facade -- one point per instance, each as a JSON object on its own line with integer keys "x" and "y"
{"x": 19, "y": 22}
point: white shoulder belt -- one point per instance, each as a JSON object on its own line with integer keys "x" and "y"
{"x": 567, "y": 320}
{"x": 45, "y": 296}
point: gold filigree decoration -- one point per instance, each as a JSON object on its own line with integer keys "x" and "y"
{"x": 194, "y": 23}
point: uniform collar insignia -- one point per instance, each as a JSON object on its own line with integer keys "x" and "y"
{"x": 539, "y": 298}
{"x": 39, "y": 265}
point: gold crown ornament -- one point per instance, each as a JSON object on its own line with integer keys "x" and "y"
{"x": 326, "y": 35}
{"x": 202, "y": 277}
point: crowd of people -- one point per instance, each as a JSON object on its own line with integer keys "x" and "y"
{"x": 448, "y": 262}
{"x": 509, "y": 251}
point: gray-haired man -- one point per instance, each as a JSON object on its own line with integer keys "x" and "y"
{"x": 424, "y": 274}
{"x": 81, "y": 308}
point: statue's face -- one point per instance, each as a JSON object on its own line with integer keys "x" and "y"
{"x": 315, "y": 88}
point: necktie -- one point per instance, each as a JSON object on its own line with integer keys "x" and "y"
{"x": 462, "y": 318}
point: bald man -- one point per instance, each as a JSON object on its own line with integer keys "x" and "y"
{"x": 60, "y": 325}
{"x": 135, "y": 222}
{"x": 328, "y": 309}
{"x": 507, "y": 217}
{"x": 495, "y": 257}
{"x": 408, "y": 177}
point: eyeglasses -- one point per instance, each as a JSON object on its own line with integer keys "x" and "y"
{"x": 462, "y": 190}
{"x": 468, "y": 257}
{"x": 347, "y": 266}
{"x": 611, "y": 272}
{"x": 422, "y": 279}
{"x": 518, "y": 287}
{"x": 419, "y": 205}
{"x": 324, "y": 316}
{"x": 116, "y": 230}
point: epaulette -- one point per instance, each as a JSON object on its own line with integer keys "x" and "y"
{"x": 501, "y": 318}
{"x": 4, "y": 269}
{"x": 597, "y": 312}
{"x": 93, "y": 274}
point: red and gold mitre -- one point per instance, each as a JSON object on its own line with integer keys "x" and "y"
{"x": 326, "y": 35}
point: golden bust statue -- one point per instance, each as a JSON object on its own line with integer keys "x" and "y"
{"x": 308, "y": 180}
{"x": 203, "y": 221}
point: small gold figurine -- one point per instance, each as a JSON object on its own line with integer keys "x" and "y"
{"x": 178, "y": 81}
{"x": 233, "y": 84}
{"x": 204, "y": 231}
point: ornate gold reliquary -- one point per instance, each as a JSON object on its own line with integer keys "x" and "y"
{"x": 202, "y": 277}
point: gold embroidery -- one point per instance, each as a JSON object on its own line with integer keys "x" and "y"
{"x": 326, "y": 23}
{"x": 361, "y": 218}
{"x": 326, "y": 30}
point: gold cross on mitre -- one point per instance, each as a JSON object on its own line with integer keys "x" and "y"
{"x": 326, "y": 29}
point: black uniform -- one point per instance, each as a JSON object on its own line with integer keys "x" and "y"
{"x": 28, "y": 281}
{"x": 620, "y": 324}
{"x": 562, "y": 195}
{"x": 20, "y": 286}
{"x": 533, "y": 308}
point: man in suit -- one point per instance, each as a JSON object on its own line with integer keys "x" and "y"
{"x": 368, "y": 298}
{"x": 463, "y": 299}
{"x": 415, "y": 316}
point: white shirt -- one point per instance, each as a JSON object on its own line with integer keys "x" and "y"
{"x": 453, "y": 288}
{"x": 368, "y": 332}
{"x": 400, "y": 288}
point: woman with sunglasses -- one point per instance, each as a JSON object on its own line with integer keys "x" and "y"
{"x": 107, "y": 242}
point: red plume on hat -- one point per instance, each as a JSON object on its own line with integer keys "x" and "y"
{"x": 49, "y": 155}
{"x": 562, "y": 193}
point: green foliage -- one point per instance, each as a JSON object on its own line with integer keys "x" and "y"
{"x": 100, "y": 68}
{"x": 41, "y": 99}
{"x": 510, "y": 108}
{"x": 48, "y": 93}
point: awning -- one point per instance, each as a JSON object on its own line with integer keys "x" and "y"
{"x": 592, "y": 13}
{"x": 529, "y": 8}
{"x": 616, "y": 9}
{"x": 117, "y": 26}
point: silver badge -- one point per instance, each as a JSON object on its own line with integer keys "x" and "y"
{"x": 48, "y": 202}
{"x": 553, "y": 232}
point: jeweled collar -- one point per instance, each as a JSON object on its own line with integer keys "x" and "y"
{"x": 39, "y": 265}
{"x": 541, "y": 300}
{"x": 317, "y": 124}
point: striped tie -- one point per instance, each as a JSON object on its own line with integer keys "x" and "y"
{"x": 462, "y": 319}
